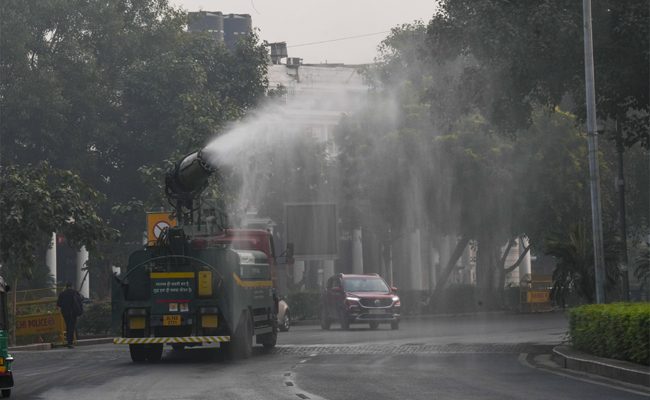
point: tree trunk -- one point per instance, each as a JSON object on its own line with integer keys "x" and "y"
{"x": 484, "y": 269}
{"x": 455, "y": 256}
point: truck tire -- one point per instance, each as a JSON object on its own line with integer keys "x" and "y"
{"x": 154, "y": 353}
{"x": 138, "y": 352}
{"x": 324, "y": 321}
{"x": 343, "y": 319}
{"x": 241, "y": 343}
{"x": 269, "y": 340}
{"x": 286, "y": 322}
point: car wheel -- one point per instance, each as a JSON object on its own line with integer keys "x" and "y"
{"x": 286, "y": 322}
{"x": 6, "y": 393}
{"x": 374, "y": 325}
{"x": 324, "y": 322}
{"x": 343, "y": 319}
{"x": 394, "y": 326}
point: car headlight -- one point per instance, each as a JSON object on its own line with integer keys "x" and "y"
{"x": 395, "y": 298}
{"x": 352, "y": 299}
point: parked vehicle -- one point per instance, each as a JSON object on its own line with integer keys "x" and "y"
{"x": 284, "y": 315}
{"x": 6, "y": 377}
{"x": 359, "y": 299}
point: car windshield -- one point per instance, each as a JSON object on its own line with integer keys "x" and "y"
{"x": 365, "y": 285}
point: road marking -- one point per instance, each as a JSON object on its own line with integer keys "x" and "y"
{"x": 303, "y": 361}
{"x": 522, "y": 360}
{"x": 289, "y": 383}
{"x": 287, "y": 374}
{"x": 313, "y": 355}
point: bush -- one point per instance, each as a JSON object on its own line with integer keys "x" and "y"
{"x": 618, "y": 330}
{"x": 304, "y": 304}
{"x": 96, "y": 318}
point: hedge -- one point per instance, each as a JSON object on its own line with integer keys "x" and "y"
{"x": 96, "y": 318}
{"x": 617, "y": 330}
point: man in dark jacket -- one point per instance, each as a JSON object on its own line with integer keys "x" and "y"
{"x": 66, "y": 304}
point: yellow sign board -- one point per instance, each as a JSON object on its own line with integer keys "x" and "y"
{"x": 39, "y": 324}
{"x": 156, "y": 222}
{"x": 538, "y": 297}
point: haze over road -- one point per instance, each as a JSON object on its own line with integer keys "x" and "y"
{"x": 480, "y": 357}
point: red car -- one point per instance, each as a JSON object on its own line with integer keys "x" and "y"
{"x": 359, "y": 299}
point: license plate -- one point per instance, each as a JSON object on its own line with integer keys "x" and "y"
{"x": 376, "y": 311}
{"x": 172, "y": 320}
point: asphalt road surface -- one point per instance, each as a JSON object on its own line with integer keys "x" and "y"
{"x": 487, "y": 357}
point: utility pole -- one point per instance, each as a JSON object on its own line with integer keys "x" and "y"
{"x": 620, "y": 185}
{"x": 594, "y": 175}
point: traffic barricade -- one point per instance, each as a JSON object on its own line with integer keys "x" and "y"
{"x": 535, "y": 292}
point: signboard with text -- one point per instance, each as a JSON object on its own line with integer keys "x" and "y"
{"x": 172, "y": 292}
{"x": 39, "y": 324}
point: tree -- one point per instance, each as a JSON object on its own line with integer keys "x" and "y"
{"x": 528, "y": 54}
{"x": 38, "y": 200}
{"x": 575, "y": 263}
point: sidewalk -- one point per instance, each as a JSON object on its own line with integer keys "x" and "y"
{"x": 48, "y": 346}
{"x": 570, "y": 358}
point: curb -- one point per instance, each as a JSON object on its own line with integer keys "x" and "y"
{"x": 49, "y": 346}
{"x": 570, "y": 358}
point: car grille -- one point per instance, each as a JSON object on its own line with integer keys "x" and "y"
{"x": 371, "y": 302}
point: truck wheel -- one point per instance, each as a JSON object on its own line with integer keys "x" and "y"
{"x": 286, "y": 322}
{"x": 155, "y": 352}
{"x": 138, "y": 352}
{"x": 241, "y": 345}
{"x": 324, "y": 322}
{"x": 374, "y": 325}
{"x": 6, "y": 392}
{"x": 269, "y": 340}
{"x": 345, "y": 324}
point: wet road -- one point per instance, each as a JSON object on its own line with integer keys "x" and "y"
{"x": 489, "y": 357}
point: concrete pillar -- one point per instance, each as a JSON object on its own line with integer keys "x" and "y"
{"x": 415, "y": 261}
{"x": 50, "y": 258}
{"x": 357, "y": 252}
{"x": 298, "y": 271}
{"x": 328, "y": 269}
{"x": 525, "y": 266}
{"x": 82, "y": 259}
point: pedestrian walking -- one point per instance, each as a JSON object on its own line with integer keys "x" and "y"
{"x": 71, "y": 304}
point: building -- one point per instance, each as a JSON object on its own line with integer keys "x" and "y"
{"x": 226, "y": 28}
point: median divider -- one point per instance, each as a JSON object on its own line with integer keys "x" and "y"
{"x": 49, "y": 346}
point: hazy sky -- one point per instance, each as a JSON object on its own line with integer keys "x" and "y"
{"x": 307, "y": 21}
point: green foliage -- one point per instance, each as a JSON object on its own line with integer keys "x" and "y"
{"x": 37, "y": 200}
{"x": 518, "y": 55}
{"x": 642, "y": 267}
{"x": 96, "y": 318}
{"x": 618, "y": 330}
{"x": 575, "y": 269}
{"x": 304, "y": 304}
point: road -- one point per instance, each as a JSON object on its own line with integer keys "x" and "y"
{"x": 488, "y": 357}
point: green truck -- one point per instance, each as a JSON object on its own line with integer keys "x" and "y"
{"x": 198, "y": 283}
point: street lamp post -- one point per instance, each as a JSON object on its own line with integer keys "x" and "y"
{"x": 594, "y": 175}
